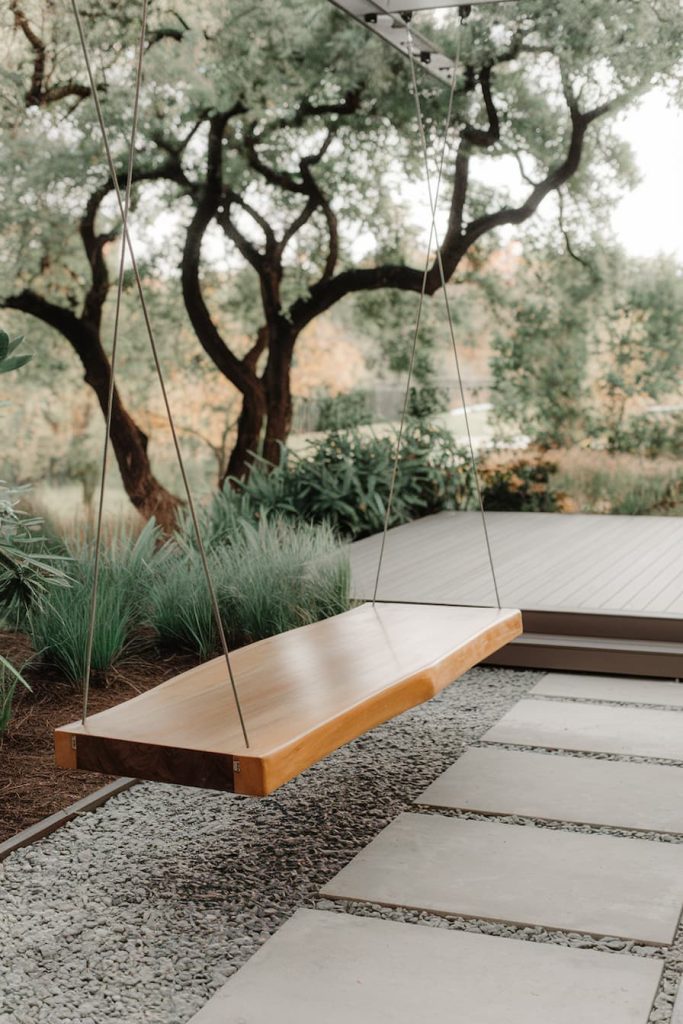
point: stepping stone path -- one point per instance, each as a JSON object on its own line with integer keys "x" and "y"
{"x": 596, "y": 728}
{"x": 335, "y": 968}
{"x": 338, "y": 967}
{"x": 630, "y": 888}
{"x": 610, "y": 688}
{"x": 621, "y": 794}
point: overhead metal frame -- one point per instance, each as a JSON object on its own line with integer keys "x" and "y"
{"x": 389, "y": 19}
{"x": 430, "y": 5}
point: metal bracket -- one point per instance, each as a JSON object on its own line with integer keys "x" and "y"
{"x": 236, "y": 766}
{"x": 73, "y": 743}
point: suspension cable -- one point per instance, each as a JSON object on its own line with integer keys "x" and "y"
{"x": 433, "y": 198}
{"x": 112, "y": 375}
{"x": 418, "y": 318}
{"x": 155, "y": 354}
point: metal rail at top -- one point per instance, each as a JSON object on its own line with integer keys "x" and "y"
{"x": 388, "y": 19}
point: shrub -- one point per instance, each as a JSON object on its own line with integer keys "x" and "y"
{"x": 268, "y": 578}
{"x": 650, "y": 435}
{"x": 523, "y": 485}
{"x": 344, "y": 480}
{"x": 58, "y": 626}
{"x": 28, "y": 570}
{"x": 27, "y": 573}
{"x": 339, "y": 412}
{"x": 427, "y": 400}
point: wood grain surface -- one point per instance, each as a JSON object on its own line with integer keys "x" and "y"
{"x": 304, "y": 694}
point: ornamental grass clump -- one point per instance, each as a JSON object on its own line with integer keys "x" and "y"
{"x": 9, "y": 680}
{"x": 280, "y": 575}
{"x": 180, "y": 610}
{"x": 58, "y": 626}
{"x": 268, "y": 578}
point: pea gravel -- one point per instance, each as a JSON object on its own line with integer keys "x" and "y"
{"x": 139, "y": 911}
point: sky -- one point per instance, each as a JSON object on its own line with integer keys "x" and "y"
{"x": 649, "y": 220}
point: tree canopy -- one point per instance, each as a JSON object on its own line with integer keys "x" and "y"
{"x": 271, "y": 138}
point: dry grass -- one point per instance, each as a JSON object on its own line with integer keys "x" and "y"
{"x": 619, "y": 483}
{"x": 615, "y": 483}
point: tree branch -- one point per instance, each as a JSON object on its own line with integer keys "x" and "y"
{"x": 39, "y": 94}
{"x": 229, "y": 365}
{"x": 555, "y": 178}
{"x": 244, "y": 246}
{"x": 484, "y": 138}
{"x": 233, "y": 198}
{"x": 455, "y": 245}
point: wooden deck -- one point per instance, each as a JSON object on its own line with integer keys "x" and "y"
{"x": 607, "y": 565}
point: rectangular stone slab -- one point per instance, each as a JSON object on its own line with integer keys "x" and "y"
{"x": 641, "y": 732}
{"x": 610, "y": 688}
{"x": 624, "y": 794}
{"x": 323, "y": 968}
{"x": 629, "y": 888}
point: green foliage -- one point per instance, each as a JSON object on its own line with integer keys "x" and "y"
{"x": 525, "y": 485}
{"x": 344, "y": 479}
{"x": 642, "y": 348}
{"x": 581, "y": 348}
{"x": 427, "y": 401}
{"x": 650, "y": 435}
{"x": 180, "y": 608}
{"x": 388, "y": 319}
{"x": 8, "y": 686}
{"x": 26, "y": 573}
{"x": 269, "y": 578}
{"x": 10, "y": 678}
{"x": 345, "y": 411}
{"x": 58, "y": 626}
{"x": 8, "y": 361}
{"x": 540, "y": 353}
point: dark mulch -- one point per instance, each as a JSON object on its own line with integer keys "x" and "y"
{"x": 31, "y": 786}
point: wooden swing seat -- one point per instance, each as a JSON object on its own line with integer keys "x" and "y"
{"x": 304, "y": 694}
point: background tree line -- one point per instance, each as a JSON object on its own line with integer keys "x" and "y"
{"x": 270, "y": 140}
{"x": 585, "y": 348}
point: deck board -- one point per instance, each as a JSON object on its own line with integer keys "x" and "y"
{"x": 544, "y": 562}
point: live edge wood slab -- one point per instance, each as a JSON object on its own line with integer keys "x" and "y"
{"x": 303, "y": 693}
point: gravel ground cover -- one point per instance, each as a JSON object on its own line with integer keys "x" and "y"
{"x": 139, "y": 911}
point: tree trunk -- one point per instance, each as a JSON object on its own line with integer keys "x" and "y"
{"x": 249, "y": 429}
{"x": 129, "y": 442}
{"x": 278, "y": 394}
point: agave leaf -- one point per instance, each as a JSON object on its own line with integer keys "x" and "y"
{"x": 13, "y": 362}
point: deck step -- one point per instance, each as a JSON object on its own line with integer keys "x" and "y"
{"x": 612, "y": 655}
